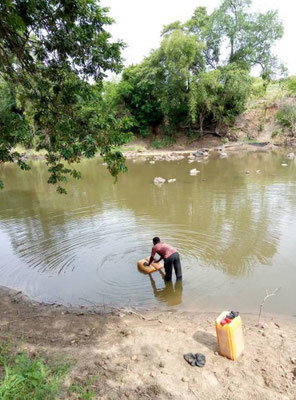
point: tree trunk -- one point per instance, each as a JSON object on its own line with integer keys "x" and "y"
{"x": 201, "y": 120}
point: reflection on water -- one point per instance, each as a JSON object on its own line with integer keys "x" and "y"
{"x": 170, "y": 293}
{"x": 234, "y": 231}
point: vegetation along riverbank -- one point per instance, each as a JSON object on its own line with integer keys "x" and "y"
{"x": 198, "y": 82}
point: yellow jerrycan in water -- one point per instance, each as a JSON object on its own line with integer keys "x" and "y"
{"x": 230, "y": 336}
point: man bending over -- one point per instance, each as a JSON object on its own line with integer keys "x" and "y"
{"x": 169, "y": 255}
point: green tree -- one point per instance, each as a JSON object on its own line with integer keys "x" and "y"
{"x": 246, "y": 38}
{"x": 200, "y": 74}
{"x": 49, "y": 52}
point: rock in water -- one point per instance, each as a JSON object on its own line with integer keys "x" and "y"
{"x": 158, "y": 180}
{"x": 291, "y": 155}
{"x": 194, "y": 171}
{"x": 171, "y": 180}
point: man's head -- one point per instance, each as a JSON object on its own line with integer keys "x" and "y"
{"x": 155, "y": 240}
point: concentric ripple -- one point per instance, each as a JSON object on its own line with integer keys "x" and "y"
{"x": 234, "y": 233}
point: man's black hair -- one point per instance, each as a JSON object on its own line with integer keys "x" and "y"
{"x": 156, "y": 240}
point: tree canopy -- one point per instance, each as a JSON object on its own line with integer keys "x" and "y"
{"x": 201, "y": 71}
{"x": 55, "y": 54}
{"x": 51, "y": 53}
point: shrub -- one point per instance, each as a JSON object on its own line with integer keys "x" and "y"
{"x": 287, "y": 118}
{"x": 164, "y": 142}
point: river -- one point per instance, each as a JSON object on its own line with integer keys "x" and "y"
{"x": 233, "y": 224}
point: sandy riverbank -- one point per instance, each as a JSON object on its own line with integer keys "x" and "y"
{"x": 138, "y": 355}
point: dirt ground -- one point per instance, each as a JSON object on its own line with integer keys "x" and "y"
{"x": 139, "y": 355}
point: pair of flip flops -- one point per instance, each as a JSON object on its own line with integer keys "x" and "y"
{"x": 197, "y": 359}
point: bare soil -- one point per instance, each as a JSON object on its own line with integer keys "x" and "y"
{"x": 139, "y": 355}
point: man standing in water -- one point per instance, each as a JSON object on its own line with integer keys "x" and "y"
{"x": 169, "y": 255}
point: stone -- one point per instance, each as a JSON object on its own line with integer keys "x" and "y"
{"x": 293, "y": 360}
{"x": 134, "y": 358}
{"x": 284, "y": 165}
{"x": 161, "y": 364}
{"x": 193, "y": 172}
{"x": 210, "y": 377}
{"x": 153, "y": 374}
{"x": 151, "y": 162}
{"x": 158, "y": 180}
{"x": 290, "y": 155}
{"x": 185, "y": 379}
{"x": 172, "y": 180}
{"x": 223, "y": 154}
{"x": 190, "y": 161}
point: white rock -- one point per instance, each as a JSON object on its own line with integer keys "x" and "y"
{"x": 158, "y": 180}
{"x": 223, "y": 154}
{"x": 190, "y": 161}
{"x": 291, "y": 155}
{"x": 191, "y": 157}
{"x": 171, "y": 180}
{"x": 151, "y": 162}
{"x": 284, "y": 165}
{"x": 194, "y": 171}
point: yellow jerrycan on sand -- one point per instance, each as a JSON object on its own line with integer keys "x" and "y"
{"x": 230, "y": 336}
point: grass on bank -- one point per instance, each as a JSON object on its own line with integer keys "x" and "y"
{"x": 24, "y": 377}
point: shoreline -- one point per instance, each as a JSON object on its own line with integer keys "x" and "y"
{"x": 217, "y": 146}
{"x": 132, "y": 355}
{"x": 105, "y": 309}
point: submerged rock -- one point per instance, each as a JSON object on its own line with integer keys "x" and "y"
{"x": 194, "y": 171}
{"x": 223, "y": 154}
{"x": 151, "y": 162}
{"x": 158, "y": 180}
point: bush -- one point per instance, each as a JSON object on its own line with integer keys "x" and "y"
{"x": 287, "y": 118}
{"x": 164, "y": 142}
{"x": 290, "y": 84}
{"x": 275, "y": 132}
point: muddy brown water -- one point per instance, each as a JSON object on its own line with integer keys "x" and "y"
{"x": 235, "y": 232}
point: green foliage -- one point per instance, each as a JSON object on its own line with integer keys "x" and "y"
{"x": 49, "y": 51}
{"x": 166, "y": 141}
{"x": 189, "y": 82}
{"x": 23, "y": 378}
{"x": 199, "y": 76}
{"x": 274, "y": 133}
{"x": 258, "y": 89}
{"x": 260, "y": 127}
{"x": 286, "y": 117}
{"x": 290, "y": 84}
